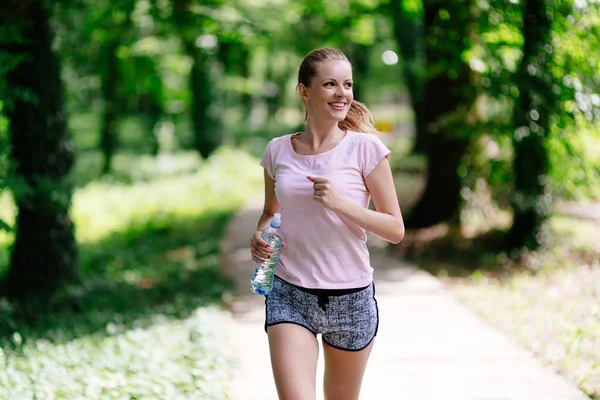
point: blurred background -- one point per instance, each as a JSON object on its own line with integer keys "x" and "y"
{"x": 130, "y": 133}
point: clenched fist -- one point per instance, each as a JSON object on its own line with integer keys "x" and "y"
{"x": 325, "y": 193}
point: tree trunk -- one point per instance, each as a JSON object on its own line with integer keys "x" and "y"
{"x": 111, "y": 79}
{"x": 246, "y": 99}
{"x": 276, "y": 94}
{"x": 409, "y": 37}
{"x": 449, "y": 96}
{"x": 207, "y": 135}
{"x": 110, "y": 83}
{"x": 359, "y": 56}
{"x": 441, "y": 199}
{"x": 207, "y": 128}
{"x": 234, "y": 55}
{"x": 44, "y": 254}
{"x": 531, "y": 200}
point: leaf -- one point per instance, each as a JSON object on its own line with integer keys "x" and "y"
{"x": 5, "y": 227}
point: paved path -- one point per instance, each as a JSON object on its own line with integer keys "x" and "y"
{"x": 429, "y": 346}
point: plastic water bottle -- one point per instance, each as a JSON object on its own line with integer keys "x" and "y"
{"x": 264, "y": 272}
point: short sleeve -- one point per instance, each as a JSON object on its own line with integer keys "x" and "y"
{"x": 373, "y": 151}
{"x": 267, "y": 160}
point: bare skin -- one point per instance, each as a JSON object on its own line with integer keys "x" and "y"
{"x": 344, "y": 372}
{"x": 294, "y": 353}
{"x": 294, "y": 350}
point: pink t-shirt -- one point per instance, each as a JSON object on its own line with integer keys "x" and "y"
{"x": 323, "y": 249}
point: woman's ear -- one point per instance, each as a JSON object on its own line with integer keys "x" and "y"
{"x": 302, "y": 90}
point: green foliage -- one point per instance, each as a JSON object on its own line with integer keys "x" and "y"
{"x": 575, "y": 158}
{"x": 161, "y": 357}
{"x": 9, "y": 34}
{"x": 573, "y": 136}
{"x": 4, "y": 163}
{"x": 208, "y": 188}
{"x": 145, "y": 323}
{"x": 255, "y": 39}
{"x": 142, "y": 187}
{"x": 576, "y": 136}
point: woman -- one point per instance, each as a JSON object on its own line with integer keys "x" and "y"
{"x": 320, "y": 181}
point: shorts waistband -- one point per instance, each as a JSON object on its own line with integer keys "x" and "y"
{"x": 324, "y": 294}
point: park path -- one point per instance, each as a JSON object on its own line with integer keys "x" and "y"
{"x": 428, "y": 347}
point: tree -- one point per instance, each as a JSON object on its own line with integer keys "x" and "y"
{"x": 119, "y": 20}
{"x": 531, "y": 200}
{"x": 207, "y": 132}
{"x": 92, "y": 36}
{"x": 449, "y": 94}
{"x": 44, "y": 254}
{"x": 408, "y": 32}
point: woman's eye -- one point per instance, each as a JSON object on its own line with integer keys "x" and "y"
{"x": 347, "y": 84}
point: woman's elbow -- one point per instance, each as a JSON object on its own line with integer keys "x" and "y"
{"x": 398, "y": 235}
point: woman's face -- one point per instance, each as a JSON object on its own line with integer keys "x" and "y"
{"x": 330, "y": 92}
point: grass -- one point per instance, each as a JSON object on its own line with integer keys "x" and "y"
{"x": 146, "y": 323}
{"x": 132, "y": 168}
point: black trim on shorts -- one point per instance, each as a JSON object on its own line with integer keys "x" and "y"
{"x": 343, "y": 349}
{"x": 377, "y": 308}
{"x": 289, "y": 322}
{"x": 282, "y": 322}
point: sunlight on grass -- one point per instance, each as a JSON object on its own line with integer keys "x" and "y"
{"x": 168, "y": 359}
{"x": 146, "y": 322}
{"x": 128, "y": 168}
{"x": 101, "y": 209}
{"x": 554, "y": 312}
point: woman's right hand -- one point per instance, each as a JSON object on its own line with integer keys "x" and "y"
{"x": 259, "y": 248}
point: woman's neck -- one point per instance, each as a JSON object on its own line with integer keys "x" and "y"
{"x": 317, "y": 136}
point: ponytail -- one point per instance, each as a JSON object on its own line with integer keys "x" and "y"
{"x": 358, "y": 119}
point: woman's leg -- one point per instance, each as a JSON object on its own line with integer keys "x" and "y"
{"x": 344, "y": 372}
{"x": 294, "y": 353}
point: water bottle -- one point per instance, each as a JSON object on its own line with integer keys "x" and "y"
{"x": 264, "y": 272}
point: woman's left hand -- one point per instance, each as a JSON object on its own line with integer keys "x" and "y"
{"x": 325, "y": 193}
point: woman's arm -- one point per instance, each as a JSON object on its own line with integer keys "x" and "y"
{"x": 271, "y": 205}
{"x": 259, "y": 248}
{"x": 386, "y": 222}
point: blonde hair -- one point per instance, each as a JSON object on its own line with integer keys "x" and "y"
{"x": 359, "y": 118}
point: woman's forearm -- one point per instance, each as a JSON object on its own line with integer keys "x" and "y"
{"x": 386, "y": 226}
{"x": 264, "y": 221}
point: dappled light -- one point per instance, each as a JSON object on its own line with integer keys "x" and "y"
{"x": 130, "y": 139}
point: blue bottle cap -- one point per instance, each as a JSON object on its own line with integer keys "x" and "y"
{"x": 276, "y": 221}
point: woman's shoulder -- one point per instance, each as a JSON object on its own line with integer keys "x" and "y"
{"x": 278, "y": 141}
{"x": 365, "y": 137}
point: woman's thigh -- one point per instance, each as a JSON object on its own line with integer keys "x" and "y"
{"x": 294, "y": 353}
{"x": 344, "y": 371}
{"x": 353, "y": 321}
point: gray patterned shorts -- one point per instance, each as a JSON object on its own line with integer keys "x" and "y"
{"x": 347, "y": 319}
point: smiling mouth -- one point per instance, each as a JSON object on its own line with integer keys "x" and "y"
{"x": 338, "y": 106}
